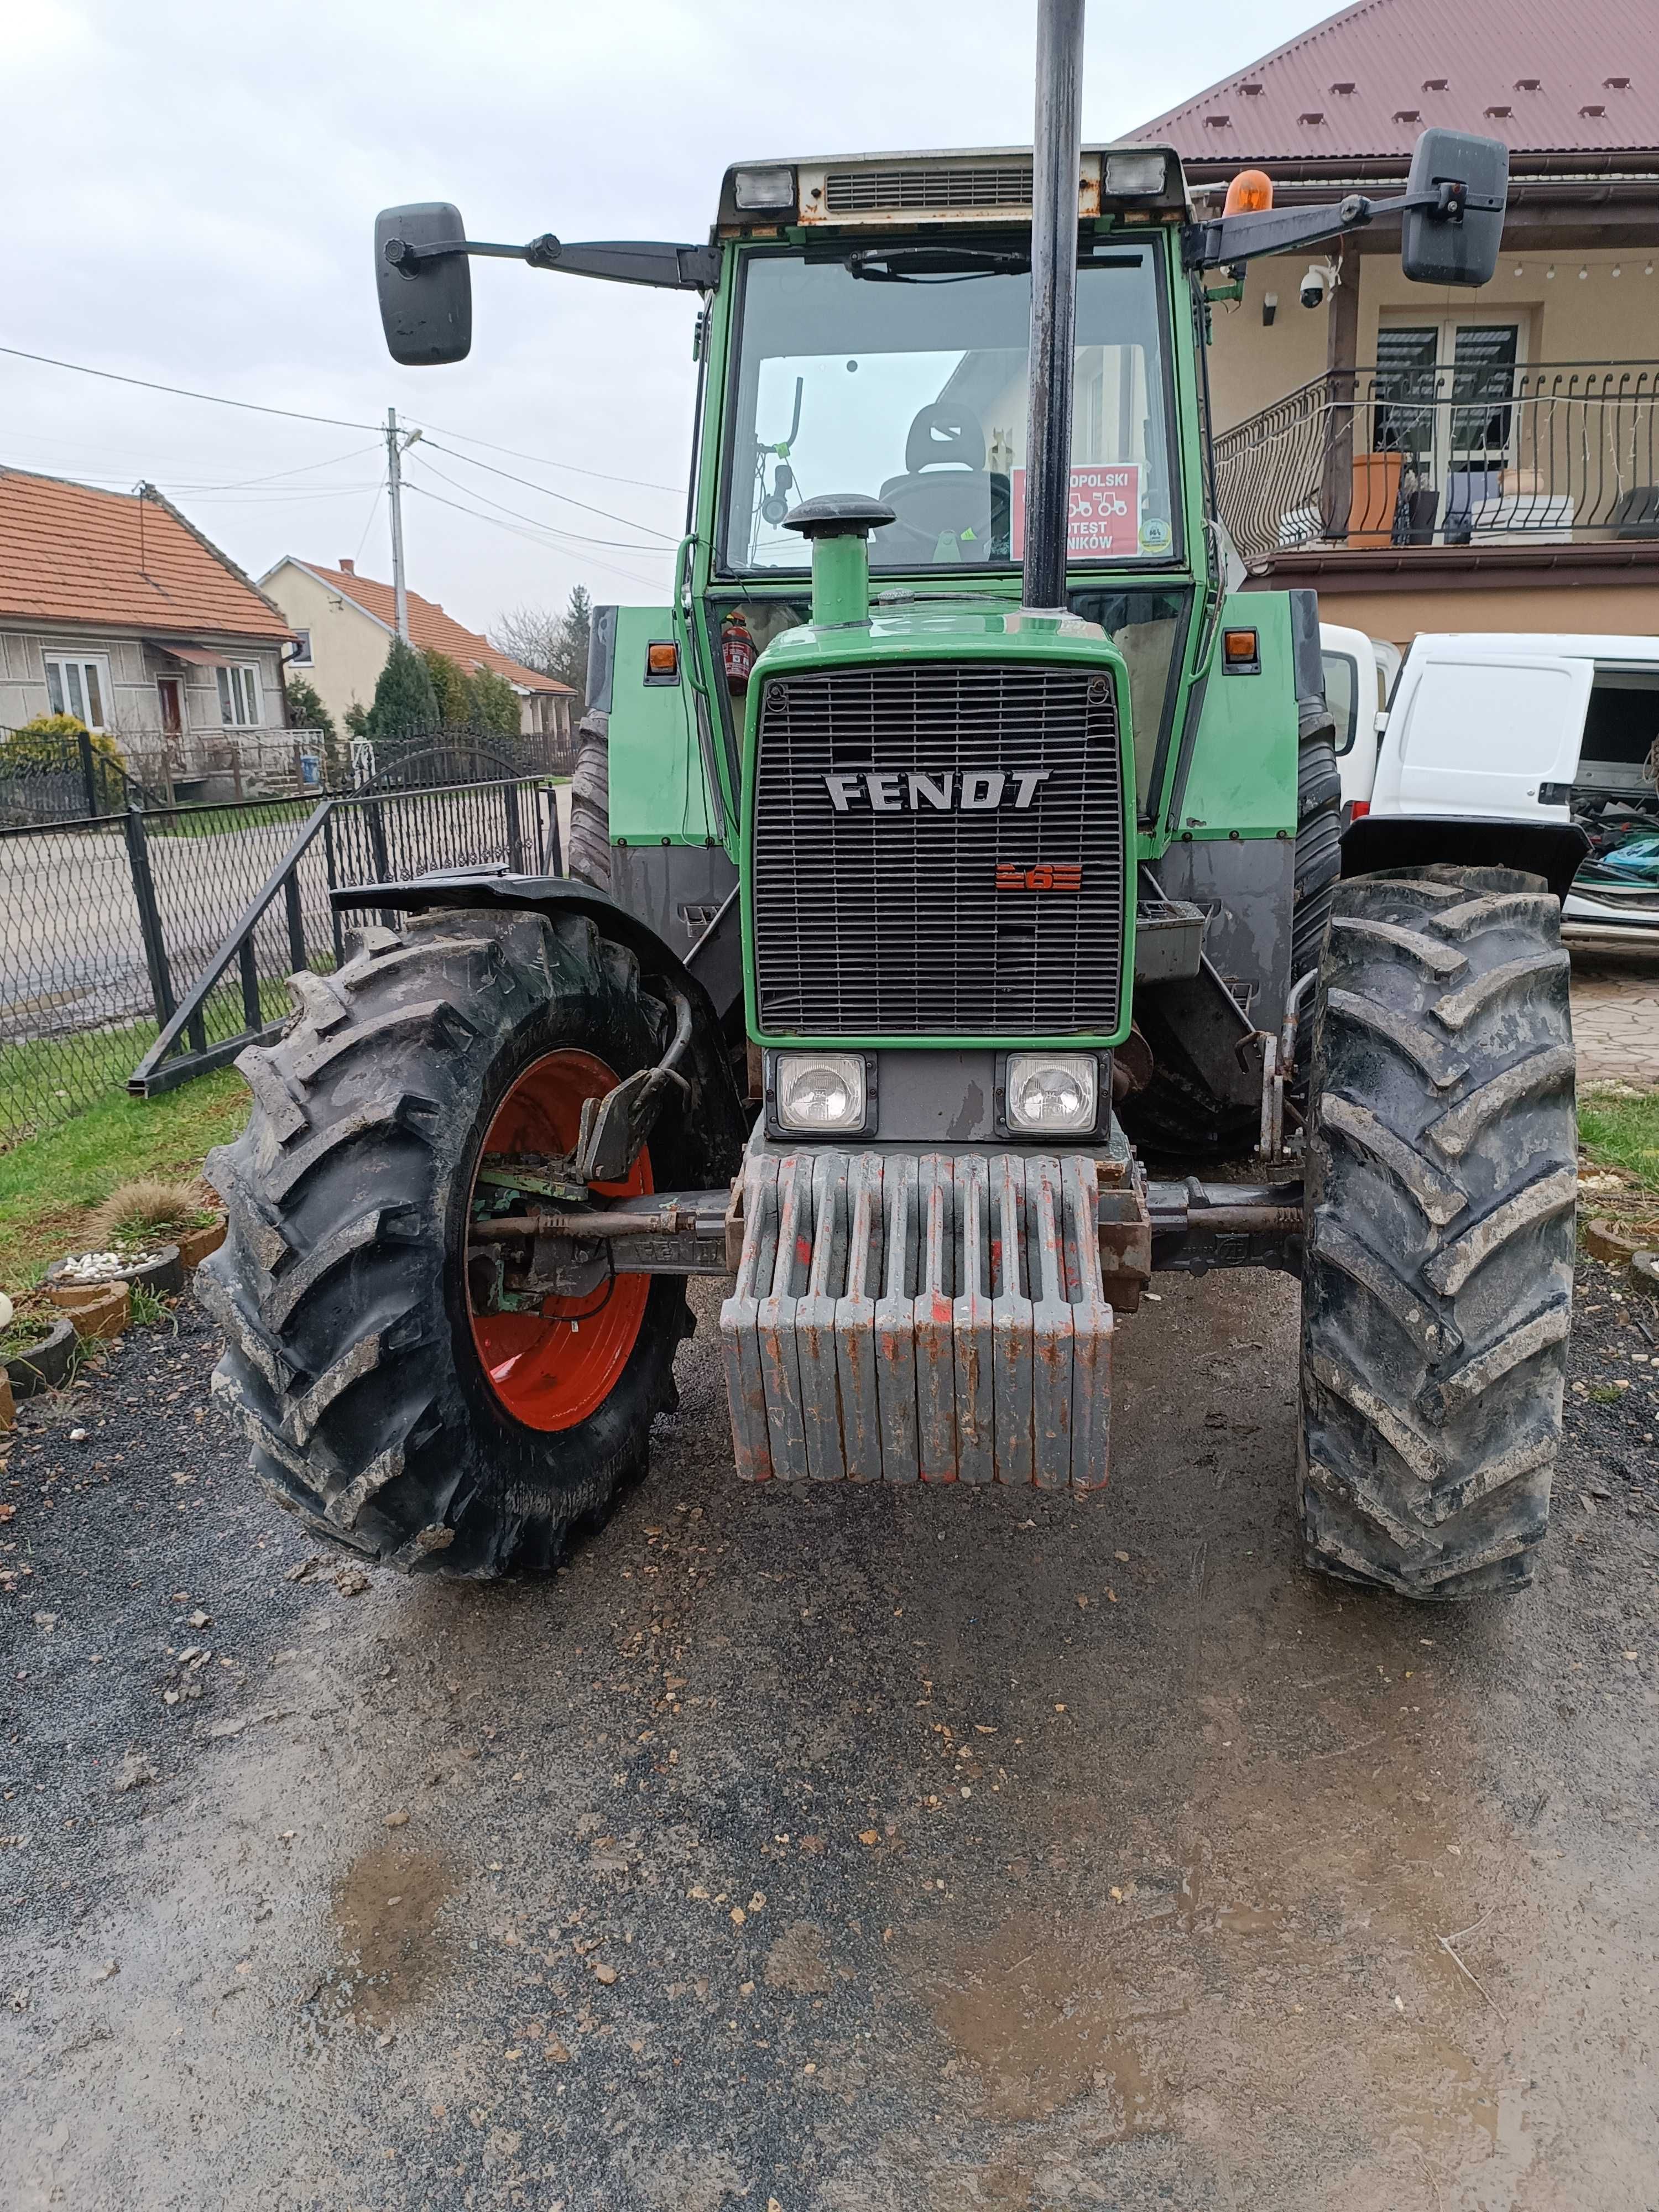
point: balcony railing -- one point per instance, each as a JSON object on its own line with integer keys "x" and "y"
{"x": 1488, "y": 455}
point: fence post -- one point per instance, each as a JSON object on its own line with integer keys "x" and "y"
{"x": 252, "y": 1013}
{"x": 149, "y": 917}
{"x": 382, "y": 864}
{"x": 514, "y": 829}
{"x": 331, "y": 871}
{"x": 88, "y": 778}
{"x": 296, "y": 920}
{"x": 554, "y": 863}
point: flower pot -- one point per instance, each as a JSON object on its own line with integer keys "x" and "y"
{"x": 43, "y": 1365}
{"x": 97, "y": 1310}
{"x": 162, "y": 1277}
{"x": 195, "y": 1245}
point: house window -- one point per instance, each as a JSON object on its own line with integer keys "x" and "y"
{"x": 301, "y": 656}
{"x": 80, "y": 688}
{"x": 239, "y": 696}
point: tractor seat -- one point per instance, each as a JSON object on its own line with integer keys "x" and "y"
{"x": 948, "y": 507}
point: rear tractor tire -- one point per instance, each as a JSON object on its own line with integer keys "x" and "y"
{"x": 385, "y": 1407}
{"x": 1437, "y": 1282}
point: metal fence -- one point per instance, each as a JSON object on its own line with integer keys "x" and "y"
{"x": 1485, "y": 453}
{"x": 46, "y": 778}
{"x": 110, "y": 928}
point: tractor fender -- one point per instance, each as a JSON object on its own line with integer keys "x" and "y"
{"x": 717, "y": 1108}
{"x": 1385, "y": 844}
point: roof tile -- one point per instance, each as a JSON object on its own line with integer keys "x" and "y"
{"x": 430, "y": 629}
{"x": 1543, "y": 78}
{"x": 71, "y": 553}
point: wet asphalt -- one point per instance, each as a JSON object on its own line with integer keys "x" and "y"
{"x": 837, "y": 1852}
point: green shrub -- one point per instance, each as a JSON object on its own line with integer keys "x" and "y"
{"x": 49, "y": 741}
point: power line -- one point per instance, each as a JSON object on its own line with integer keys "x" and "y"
{"x": 545, "y": 461}
{"x": 178, "y": 391}
{"x": 466, "y": 460}
{"x": 536, "y": 536}
{"x": 620, "y": 545}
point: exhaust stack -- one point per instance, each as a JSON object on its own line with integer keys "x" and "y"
{"x": 1056, "y": 143}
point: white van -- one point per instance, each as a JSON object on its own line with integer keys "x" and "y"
{"x": 1525, "y": 728}
{"x": 1359, "y": 674}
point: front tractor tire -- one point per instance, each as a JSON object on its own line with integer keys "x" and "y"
{"x": 384, "y": 1408}
{"x": 1438, "y": 1283}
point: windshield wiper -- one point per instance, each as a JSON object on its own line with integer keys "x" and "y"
{"x": 922, "y": 265}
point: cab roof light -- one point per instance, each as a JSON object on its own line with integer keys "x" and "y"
{"x": 1251, "y": 192}
{"x": 765, "y": 192}
{"x": 1134, "y": 176}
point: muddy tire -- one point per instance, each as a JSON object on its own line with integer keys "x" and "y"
{"x": 1318, "y": 848}
{"x": 353, "y": 1359}
{"x": 1178, "y": 1116}
{"x": 1437, "y": 1284}
{"x": 589, "y": 802}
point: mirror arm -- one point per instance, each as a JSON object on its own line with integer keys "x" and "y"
{"x": 1231, "y": 238}
{"x": 677, "y": 267}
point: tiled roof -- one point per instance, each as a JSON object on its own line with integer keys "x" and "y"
{"x": 430, "y": 630}
{"x": 71, "y": 554}
{"x": 1544, "y": 76}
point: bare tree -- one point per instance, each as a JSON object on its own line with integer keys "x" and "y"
{"x": 530, "y": 635}
{"x": 553, "y": 645}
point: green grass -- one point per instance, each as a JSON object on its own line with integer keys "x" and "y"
{"x": 48, "y": 1080}
{"x": 1619, "y": 1127}
{"x": 48, "y": 1181}
{"x": 217, "y": 822}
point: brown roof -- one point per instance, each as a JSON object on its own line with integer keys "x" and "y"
{"x": 68, "y": 553}
{"x": 430, "y": 629}
{"x": 1544, "y": 76}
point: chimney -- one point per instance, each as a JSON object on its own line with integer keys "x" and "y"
{"x": 348, "y": 568}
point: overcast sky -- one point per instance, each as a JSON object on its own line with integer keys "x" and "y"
{"x": 190, "y": 194}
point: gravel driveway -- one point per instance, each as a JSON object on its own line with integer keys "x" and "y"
{"x": 844, "y": 1852}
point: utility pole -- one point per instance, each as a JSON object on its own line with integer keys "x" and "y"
{"x": 396, "y": 447}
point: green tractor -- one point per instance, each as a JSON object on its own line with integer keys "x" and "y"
{"x": 957, "y": 877}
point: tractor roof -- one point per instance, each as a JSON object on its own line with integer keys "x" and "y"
{"x": 982, "y": 185}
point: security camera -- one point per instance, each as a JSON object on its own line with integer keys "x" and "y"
{"x": 1320, "y": 278}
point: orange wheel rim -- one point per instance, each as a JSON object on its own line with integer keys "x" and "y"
{"x": 552, "y": 1368}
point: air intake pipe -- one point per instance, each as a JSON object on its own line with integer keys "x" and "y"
{"x": 1056, "y": 153}
{"x": 838, "y": 526}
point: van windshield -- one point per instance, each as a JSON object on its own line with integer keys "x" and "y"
{"x": 902, "y": 374}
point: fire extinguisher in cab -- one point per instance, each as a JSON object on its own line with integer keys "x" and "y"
{"x": 736, "y": 651}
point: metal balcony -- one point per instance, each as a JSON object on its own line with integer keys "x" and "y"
{"x": 1492, "y": 455}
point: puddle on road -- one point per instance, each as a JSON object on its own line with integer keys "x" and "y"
{"x": 1041, "y": 2019}
{"x": 392, "y": 1947}
{"x": 1276, "y": 1948}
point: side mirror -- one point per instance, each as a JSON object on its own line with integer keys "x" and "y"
{"x": 426, "y": 305}
{"x": 1436, "y": 249}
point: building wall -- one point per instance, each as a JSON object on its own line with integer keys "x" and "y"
{"x": 132, "y": 710}
{"x": 347, "y": 647}
{"x": 1564, "y": 318}
{"x": 1561, "y": 607}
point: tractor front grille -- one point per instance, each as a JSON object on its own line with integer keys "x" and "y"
{"x": 911, "y": 920}
{"x": 979, "y": 184}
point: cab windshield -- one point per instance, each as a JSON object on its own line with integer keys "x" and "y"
{"x": 901, "y": 373}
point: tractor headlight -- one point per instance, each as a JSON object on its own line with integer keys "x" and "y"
{"x": 759, "y": 192}
{"x": 1051, "y": 1093}
{"x": 819, "y": 1092}
{"x": 1134, "y": 176}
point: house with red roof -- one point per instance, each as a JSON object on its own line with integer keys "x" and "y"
{"x": 115, "y": 609}
{"x": 1434, "y": 460}
{"x": 344, "y": 624}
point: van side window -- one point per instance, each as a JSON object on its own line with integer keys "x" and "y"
{"x": 1342, "y": 696}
